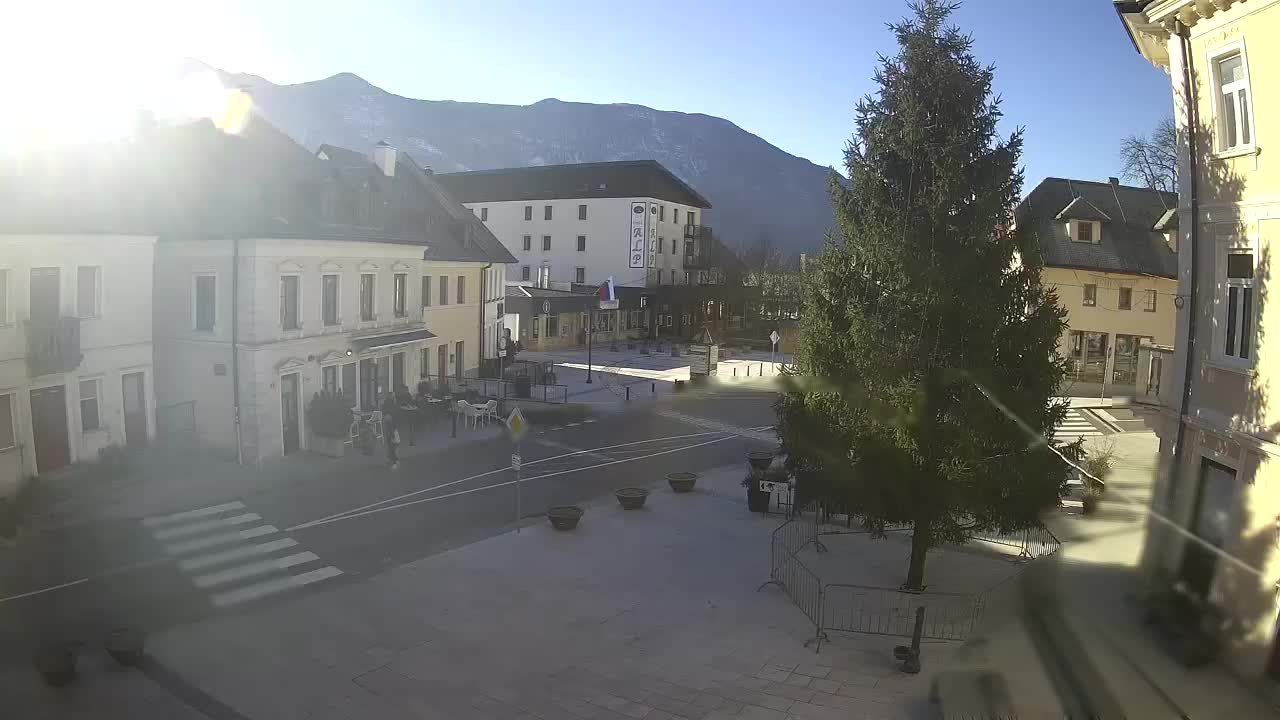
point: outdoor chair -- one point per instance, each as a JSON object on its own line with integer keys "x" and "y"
{"x": 470, "y": 413}
{"x": 490, "y": 410}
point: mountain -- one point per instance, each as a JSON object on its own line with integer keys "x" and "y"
{"x": 756, "y": 189}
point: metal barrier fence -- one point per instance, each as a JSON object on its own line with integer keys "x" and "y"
{"x": 504, "y": 389}
{"x": 787, "y": 571}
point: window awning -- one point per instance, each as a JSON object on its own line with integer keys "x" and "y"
{"x": 381, "y": 341}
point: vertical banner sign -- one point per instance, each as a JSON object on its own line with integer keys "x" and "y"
{"x": 651, "y": 228}
{"x": 637, "y": 235}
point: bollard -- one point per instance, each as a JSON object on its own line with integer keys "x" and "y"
{"x": 628, "y": 393}
{"x": 455, "y": 423}
{"x": 735, "y": 372}
{"x": 748, "y": 371}
{"x": 653, "y": 387}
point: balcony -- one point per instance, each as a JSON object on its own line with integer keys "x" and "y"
{"x": 697, "y": 232}
{"x": 53, "y": 345}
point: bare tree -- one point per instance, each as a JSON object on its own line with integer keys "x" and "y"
{"x": 1152, "y": 160}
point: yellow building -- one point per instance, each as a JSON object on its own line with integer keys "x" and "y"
{"x": 1219, "y": 480}
{"x": 1105, "y": 248}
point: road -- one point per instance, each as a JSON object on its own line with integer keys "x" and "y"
{"x": 280, "y": 541}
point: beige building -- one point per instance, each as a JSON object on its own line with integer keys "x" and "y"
{"x": 1219, "y": 479}
{"x": 1108, "y": 251}
{"x": 352, "y": 276}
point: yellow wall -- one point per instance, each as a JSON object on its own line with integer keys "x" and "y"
{"x": 1106, "y": 316}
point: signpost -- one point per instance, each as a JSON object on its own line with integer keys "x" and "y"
{"x": 517, "y": 427}
{"x": 774, "y": 337}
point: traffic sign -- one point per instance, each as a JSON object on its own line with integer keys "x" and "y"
{"x": 774, "y": 337}
{"x": 608, "y": 304}
{"x": 515, "y": 461}
{"x": 516, "y": 424}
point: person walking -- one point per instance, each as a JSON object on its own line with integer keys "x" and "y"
{"x": 390, "y": 432}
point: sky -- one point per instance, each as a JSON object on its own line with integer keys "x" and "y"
{"x": 791, "y": 73}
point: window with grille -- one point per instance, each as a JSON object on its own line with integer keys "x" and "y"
{"x": 1126, "y": 298}
{"x": 1090, "y": 295}
{"x": 1234, "y": 113}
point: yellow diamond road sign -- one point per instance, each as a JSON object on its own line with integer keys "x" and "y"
{"x": 516, "y": 424}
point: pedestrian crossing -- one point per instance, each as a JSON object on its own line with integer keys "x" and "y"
{"x": 233, "y": 555}
{"x": 1075, "y": 425}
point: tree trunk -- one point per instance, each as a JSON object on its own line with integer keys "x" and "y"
{"x": 920, "y": 541}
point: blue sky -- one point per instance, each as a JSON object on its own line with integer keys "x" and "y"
{"x": 789, "y": 72}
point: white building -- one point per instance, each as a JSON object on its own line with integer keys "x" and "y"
{"x": 353, "y": 276}
{"x": 576, "y": 223}
{"x": 75, "y": 349}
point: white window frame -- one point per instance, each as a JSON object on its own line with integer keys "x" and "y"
{"x": 1095, "y": 231}
{"x": 195, "y": 302}
{"x": 298, "y": 302}
{"x": 526, "y": 243}
{"x": 6, "y": 300}
{"x": 1227, "y": 245}
{"x": 337, "y": 300}
{"x": 580, "y": 274}
{"x": 1150, "y": 301}
{"x": 526, "y": 273}
{"x": 1084, "y": 295}
{"x": 97, "y": 399}
{"x": 96, "y": 311}
{"x": 13, "y": 420}
{"x": 1215, "y": 56}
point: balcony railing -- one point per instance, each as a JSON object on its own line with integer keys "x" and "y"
{"x": 53, "y": 345}
{"x": 695, "y": 232}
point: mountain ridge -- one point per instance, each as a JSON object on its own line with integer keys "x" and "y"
{"x": 757, "y": 190}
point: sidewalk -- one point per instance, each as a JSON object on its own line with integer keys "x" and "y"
{"x": 648, "y": 614}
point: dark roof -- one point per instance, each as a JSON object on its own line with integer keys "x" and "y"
{"x": 629, "y": 178}
{"x": 1167, "y": 221}
{"x": 1081, "y": 209}
{"x": 1129, "y": 242}
{"x": 538, "y": 292}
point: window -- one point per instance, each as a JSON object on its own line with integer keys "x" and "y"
{"x": 528, "y": 212}
{"x": 546, "y": 212}
{"x": 1084, "y": 231}
{"x": 675, "y": 215}
{"x": 424, "y": 363}
{"x": 1238, "y": 325}
{"x": 662, "y": 213}
{"x": 204, "y": 302}
{"x": 659, "y": 275}
{"x": 673, "y": 246}
{"x": 686, "y": 277}
{"x": 484, "y": 214}
{"x": 546, "y": 242}
{"x": 1090, "y": 295}
{"x": 399, "y": 294}
{"x": 349, "y": 383}
{"x": 582, "y": 212}
{"x": 459, "y": 364}
{"x": 524, "y": 272}
{"x": 462, "y": 289}
{"x": 537, "y": 320}
{"x": 662, "y": 242}
{"x": 88, "y": 292}
{"x": 329, "y": 299}
{"x": 689, "y": 218}
{"x": 366, "y": 296}
{"x": 582, "y": 243}
{"x": 1150, "y": 296}
{"x": 329, "y": 379}
{"x": 4, "y": 297}
{"x": 553, "y": 325}
{"x": 1234, "y": 116}
{"x": 89, "y": 416}
{"x": 289, "y": 302}
{"x": 673, "y": 277}
{"x": 8, "y": 438}
{"x": 528, "y": 242}
{"x": 426, "y": 291}
{"x": 579, "y": 274}
{"x": 1126, "y": 298}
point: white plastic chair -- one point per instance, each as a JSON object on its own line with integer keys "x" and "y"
{"x": 490, "y": 410}
{"x": 470, "y": 413}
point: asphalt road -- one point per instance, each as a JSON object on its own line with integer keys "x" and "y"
{"x": 340, "y": 528}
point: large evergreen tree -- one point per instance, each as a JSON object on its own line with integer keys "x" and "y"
{"x": 925, "y": 332}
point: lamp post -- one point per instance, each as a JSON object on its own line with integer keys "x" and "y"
{"x": 590, "y": 314}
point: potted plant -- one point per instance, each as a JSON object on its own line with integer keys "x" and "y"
{"x": 564, "y": 517}
{"x": 125, "y": 645}
{"x": 56, "y": 663}
{"x": 1089, "y": 502}
{"x": 1099, "y": 464}
{"x": 631, "y": 498}
{"x": 760, "y": 469}
{"x": 329, "y": 417}
{"x": 682, "y": 482}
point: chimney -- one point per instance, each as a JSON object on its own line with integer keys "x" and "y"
{"x": 1114, "y": 182}
{"x": 384, "y": 156}
{"x": 426, "y": 170}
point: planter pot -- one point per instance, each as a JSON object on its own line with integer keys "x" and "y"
{"x": 334, "y": 447}
{"x": 682, "y": 482}
{"x": 1089, "y": 503}
{"x": 757, "y": 500}
{"x": 57, "y": 664}
{"x": 125, "y": 645}
{"x": 631, "y": 498}
{"x": 760, "y": 460}
{"x": 564, "y": 517}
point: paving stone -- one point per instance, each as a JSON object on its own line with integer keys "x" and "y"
{"x": 798, "y": 680}
{"x": 789, "y": 691}
{"x": 773, "y": 674}
{"x": 755, "y": 712}
{"x": 809, "y": 711}
{"x": 824, "y": 685}
{"x": 818, "y": 671}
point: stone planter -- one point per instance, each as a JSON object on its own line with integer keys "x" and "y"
{"x": 334, "y": 447}
{"x": 564, "y": 517}
{"x": 760, "y": 460}
{"x": 631, "y": 498}
{"x": 125, "y": 645}
{"x": 682, "y": 482}
{"x": 57, "y": 663}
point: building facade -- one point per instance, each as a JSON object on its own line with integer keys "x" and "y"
{"x": 76, "y": 372}
{"x": 1219, "y": 472}
{"x": 1107, "y": 250}
{"x": 577, "y": 223}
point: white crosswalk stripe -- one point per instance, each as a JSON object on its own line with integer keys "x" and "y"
{"x": 211, "y": 545}
{"x": 1074, "y": 426}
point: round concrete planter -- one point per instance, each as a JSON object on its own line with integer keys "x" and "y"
{"x": 760, "y": 461}
{"x": 125, "y": 645}
{"x": 57, "y": 663}
{"x": 631, "y": 498}
{"x": 564, "y": 517}
{"x": 682, "y": 482}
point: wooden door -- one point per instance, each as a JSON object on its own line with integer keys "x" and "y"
{"x": 442, "y": 364}
{"x": 289, "y": 414}
{"x": 49, "y": 427}
{"x": 135, "y": 409}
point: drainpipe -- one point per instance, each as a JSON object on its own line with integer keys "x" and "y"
{"x": 484, "y": 300}
{"x": 235, "y": 348}
{"x": 1192, "y": 181}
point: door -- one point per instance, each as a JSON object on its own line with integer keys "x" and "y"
{"x": 458, "y": 363}
{"x": 442, "y": 363}
{"x": 289, "y": 413}
{"x": 44, "y": 294}
{"x": 135, "y": 409}
{"x": 397, "y": 371}
{"x": 1211, "y": 522}
{"x": 49, "y": 426}
{"x": 368, "y": 385}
